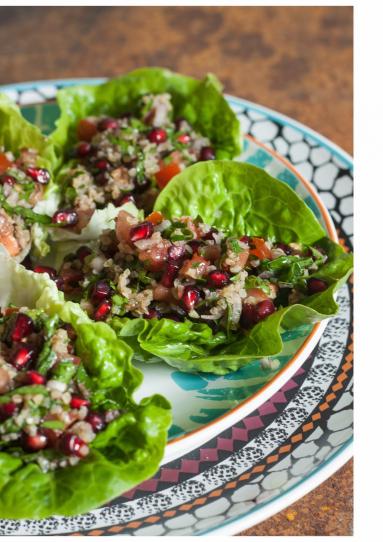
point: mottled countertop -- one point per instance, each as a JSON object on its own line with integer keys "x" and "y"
{"x": 297, "y": 60}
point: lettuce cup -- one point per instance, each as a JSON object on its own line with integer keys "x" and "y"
{"x": 124, "y": 140}
{"x": 71, "y": 435}
{"x": 28, "y": 195}
{"x": 206, "y": 282}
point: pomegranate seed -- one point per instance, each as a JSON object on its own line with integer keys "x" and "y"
{"x": 52, "y": 436}
{"x": 78, "y": 402}
{"x": 194, "y": 244}
{"x": 107, "y": 124}
{"x": 71, "y": 444}
{"x": 83, "y": 149}
{"x": 128, "y": 198}
{"x": 83, "y": 252}
{"x": 190, "y": 297}
{"x": 67, "y": 217}
{"x": 218, "y": 279}
{"x": 102, "y": 164}
{"x": 170, "y": 274}
{"x": 22, "y": 327}
{"x": 75, "y": 360}
{"x": 209, "y": 235}
{"x": 102, "y": 310}
{"x": 286, "y": 249}
{"x": 71, "y": 332}
{"x": 7, "y": 179}
{"x": 157, "y": 135}
{"x": 184, "y": 139}
{"x": 71, "y": 278}
{"x": 176, "y": 252}
{"x": 35, "y": 442}
{"x": 59, "y": 283}
{"x": 39, "y": 174}
{"x": 45, "y": 269}
{"x": 207, "y": 153}
{"x": 96, "y": 420}
{"x": 315, "y": 286}
{"x": 7, "y": 410}
{"x": 34, "y": 378}
{"x": 144, "y": 230}
{"x": 253, "y": 313}
{"x": 22, "y": 356}
{"x": 101, "y": 290}
{"x": 101, "y": 178}
{"x": 152, "y": 313}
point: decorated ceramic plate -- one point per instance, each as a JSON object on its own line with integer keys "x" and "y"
{"x": 247, "y": 444}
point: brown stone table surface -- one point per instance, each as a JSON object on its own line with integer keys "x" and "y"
{"x": 297, "y": 60}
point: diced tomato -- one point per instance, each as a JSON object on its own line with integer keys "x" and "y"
{"x": 7, "y": 238}
{"x": 260, "y": 249}
{"x": 258, "y": 294}
{"x": 166, "y": 173}
{"x": 195, "y": 268}
{"x": 155, "y": 258}
{"x": 4, "y": 163}
{"x": 9, "y": 310}
{"x": 86, "y": 129}
{"x": 155, "y": 217}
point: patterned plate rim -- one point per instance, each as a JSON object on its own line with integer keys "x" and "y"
{"x": 293, "y": 494}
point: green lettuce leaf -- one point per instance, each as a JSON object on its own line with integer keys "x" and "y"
{"x": 15, "y": 133}
{"x": 200, "y": 102}
{"x": 240, "y": 199}
{"x": 127, "y": 452}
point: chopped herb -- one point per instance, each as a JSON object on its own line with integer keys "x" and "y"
{"x": 27, "y": 214}
{"x": 118, "y": 300}
{"x": 234, "y": 245}
{"x": 256, "y": 282}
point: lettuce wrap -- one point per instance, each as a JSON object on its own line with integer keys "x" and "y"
{"x": 200, "y": 103}
{"x": 124, "y": 454}
{"x": 17, "y": 133}
{"x": 240, "y": 199}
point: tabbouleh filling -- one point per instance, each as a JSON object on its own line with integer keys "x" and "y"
{"x": 129, "y": 158}
{"x": 183, "y": 268}
{"x": 46, "y": 413}
{"x": 21, "y": 188}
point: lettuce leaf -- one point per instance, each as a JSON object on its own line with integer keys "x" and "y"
{"x": 16, "y": 133}
{"x": 200, "y": 102}
{"x": 241, "y": 199}
{"x": 127, "y": 452}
